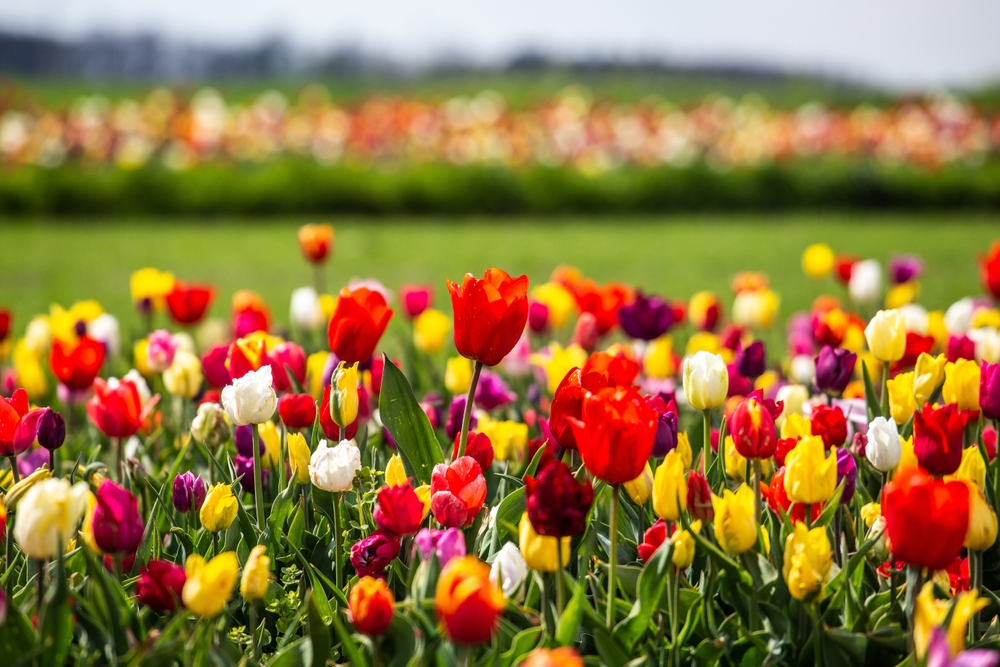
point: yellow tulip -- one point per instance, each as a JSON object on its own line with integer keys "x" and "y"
{"x": 87, "y": 529}
{"x": 735, "y": 526}
{"x": 930, "y": 613}
{"x": 219, "y": 509}
{"x": 344, "y": 395}
{"x": 315, "y": 363}
{"x": 641, "y": 488}
{"x": 395, "y": 473}
{"x": 670, "y": 488}
{"x": 430, "y": 331}
{"x": 658, "y": 360}
{"x": 702, "y": 341}
{"x": 299, "y": 457}
{"x": 971, "y": 469}
{"x": 927, "y": 376}
{"x": 736, "y": 465}
{"x": 183, "y": 378}
{"x": 961, "y": 384}
{"x": 817, "y": 261}
{"x": 902, "y": 294}
{"x": 937, "y": 328}
{"x": 458, "y": 375}
{"x": 209, "y": 585}
{"x": 151, "y": 284}
{"x": 424, "y": 494}
{"x": 808, "y": 558}
{"x": 982, "y": 532}
{"x": 48, "y": 516}
{"x": 796, "y": 426}
{"x": 269, "y": 435}
{"x": 140, "y": 357}
{"x": 756, "y": 309}
{"x": 886, "y": 335}
{"x": 684, "y": 546}
{"x": 256, "y": 574}
{"x": 985, "y": 318}
{"x": 559, "y": 300}
{"x": 854, "y": 338}
{"x": 508, "y": 438}
{"x": 870, "y": 512}
{"x": 683, "y": 449}
{"x": 30, "y": 371}
{"x": 539, "y": 551}
{"x": 902, "y": 403}
{"x": 19, "y": 490}
{"x": 907, "y": 457}
{"x": 810, "y": 475}
{"x": 559, "y": 362}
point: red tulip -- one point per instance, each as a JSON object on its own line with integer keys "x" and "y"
{"x": 557, "y": 504}
{"x": 316, "y": 242}
{"x": 699, "y": 497}
{"x": 490, "y": 315}
{"x": 989, "y": 269}
{"x": 652, "y": 539}
{"x": 249, "y": 314}
{"x": 752, "y": 426}
{"x": 938, "y": 435}
{"x": 457, "y": 492}
{"x": 116, "y": 408}
{"x": 479, "y": 447}
{"x": 399, "y": 510}
{"x": 603, "y": 302}
{"x": 330, "y": 428}
{"x": 843, "y": 267}
{"x": 926, "y": 519}
{"x": 960, "y": 347}
{"x": 371, "y": 606}
{"x": 915, "y": 345}
{"x": 567, "y": 403}
{"x": 5, "y": 318}
{"x": 76, "y": 365}
{"x": 188, "y": 303}
{"x": 117, "y": 525}
{"x": 623, "y": 371}
{"x": 286, "y": 356}
{"x": 358, "y": 322}
{"x": 615, "y": 434}
{"x": 297, "y": 410}
{"x": 213, "y": 363}
{"x": 247, "y": 354}
{"x": 830, "y": 424}
{"x": 18, "y": 424}
{"x": 160, "y": 585}
{"x": 416, "y": 299}
{"x": 784, "y": 446}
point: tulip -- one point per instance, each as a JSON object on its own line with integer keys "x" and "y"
{"x": 219, "y": 509}
{"x": 557, "y": 504}
{"x": 640, "y": 489}
{"x": 586, "y": 332}
{"x": 971, "y": 469}
{"x": 209, "y": 585}
{"x": 751, "y": 361}
{"x": 658, "y": 362}
{"x": 330, "y": 428}
{"x": 704, "y": 310}
{"x": 188, "y": 492}
{"x": 653, "y": 539}
{"x": 416, "y": 299}
{"x": 834, "y": 369}
{"x": 538, "y": 316}
{"x": 847, "y": 473}
{"x": 358, "y": 323}
{"x": 51, "y": 431}
{"x": 76, "y": 365}
{"x": 213, "y": 364}
{"x": 886, "y": 335}
{"x": 927, "y": 376}
{"x": 372, "y": 555}
{"x": 256, "y": 574}
{"x": 490, "y": 315}
{"x": 559, "y": 303}
{"x": 508, "y": 438}
{"x": 755, "y": 309}
{"x": 444, "y": 544}
{"x": 161, "y": 347}
{"x": 105, "y": 329}
{"x": 989, "y": 390}
{"x": 149, "y": 288}
{"x": 18, "y": 424}
{"x": 735, "y": 526}
{"x": 458, "y": 375}
{"x": 371, "y": 605}
{"x": 250, "y": 399}
{"x": 567, "y": 403}
{"x": 249, "y": 314}
{"x": 830, "y": 424}
{"x": 670, "y": 488}
{"x": 541, "y": 552}
{"x": 931, "y": 615}
{"x": 492, "y": 392}
{"x": 646, "y": 317}
{"x": 989, "y": 269}
{"x": 189, "y": 303}
{"x": 430, "y": 330}
{"x": 116, "y": 407}
{"x": 810, "y": 475}
{"x": 982, "y": 531}
{"x": 305, "y": 311}
{"x": 699, "y": 497}
{"x": 395, "y": 473}
{"x": 808, "y": 558}
{"x": 210, "y": 425}
{"x": 937, "y": 438}
{"x": 399, "y": 511}
{"x": 916, "y": 506}
{"x": 48, "y": 515}
{"x": 333, "y": 468}
{"x": 817, "y": 261}
{"x": 299, "y": 456}
{"x": 344, "y": 395}
{"x": 29, "y": 371}
{"x": 458, "y": 492}
{"x": 706, "y": 380}
{"x": 285, "y": 358}
{"x": 467, "y": 603}
{"x": 865, "y": 283}
{"x": 667, "y": 436}
{"x": 297, "y": 411}
{"x": 752, "y": 426}
{"x": 684, "y": 546}
{"x": 883, "y": 449}
{"x": 316, "y": 242}
{"x": 615, "y": 434}
{"x": 183, "y": 378}
{"x": 961, "y": 384}
{"x": 160, "y": 585}
{"x": 508, "y": 569}
{"x": 21, "y": 488}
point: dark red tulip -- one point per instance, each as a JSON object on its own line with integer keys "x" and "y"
{"x": 416, "y": 299}
{"x": 373, "y": 554}
{"x": 751, "y": 361}
{"x": 938, "y": 435}
{"x": 479, "y": 446}
{"x": 51, "y": 430}
{"x": 666, "y": 426}
{"x": 399, "y": 511}
{"x": 960, "y": 347}
{"x": 213, "y": 363}
{"x": 297, "y": 410}
{"x": 830, "y": 424}
{"x": 160, "y": 585}
{"x": 490, "y": 315}
{"x": 117, "y": 525}
{"x": 989, "y": 390}
{"x": 557, "y": 504}
{"x": 652, "y": 539}
{"x": 538, "y": 316}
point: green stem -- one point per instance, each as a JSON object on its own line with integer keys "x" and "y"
{"x": 215, "y": 544}
{"x": 468, "y": 409}
{"x": 41, "y": 585}
{"x": 253, "y": 631}
{"x": 757, "y": 504}
{"x": 612, "y": 557}
{"x": 817, "y": 637}
{"x": 885, "y": 389}
{"x": 116, "y": 444}
{"x": 258, "y": 485}
{"x": 560, "y": 595}
{"x": 706, "y": 420}
{"x": 675, "y": 594}
{"x": 13, "y": 469}
{"x": 338, "y": 541}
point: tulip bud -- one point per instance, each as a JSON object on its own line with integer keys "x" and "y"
{"x": 938, "y": 436}
{"x": 927, "y": 376}
{"x": 538, "y": 316}
{"x": 398, "y": 511}
{"x": 371, "y": 605}
{"x": 541, "y": 552}
{"x": 556, "y": 502}
{"x": 297, "y": 410}
{"x": 982, "y": 531}
{"x": 508, "y": 569}
{"x": 699, "y": 497}
{"x": 817, "y": 261}
{"x": 684, "y": 545}
{"x": 586, "y": 332}
{"x": 51, "y": 430}
{"x": 305, "y": 311}
{"x": 834, "y": 369}
{"x": 333, "y": 468}
{"x": 467, "y": 602}
{"x": 209, "y": 585}
{"x": 641, "y": 488}
{"x": 670, "y": 492}
{"x": 751, "y": 361}
{"x": 299, "y": 456}
{"x": 344, "y": 395}
{"x": 883, "y": 448}
{"x": 706, "y": 380}
{"x": 219, "y": 509}
{"x": 886, "y": 335}
{"x": 188, "y": 492}
{"x": 256, "y": 574}
{"x": 847, "y": 473}
{"x": 117, "y": 526}
{"x": 416, "y": 299}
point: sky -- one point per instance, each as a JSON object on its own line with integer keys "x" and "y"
{"x": 896, "y": 43}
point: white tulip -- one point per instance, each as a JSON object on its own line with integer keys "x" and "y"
{"x": 706, "y": 380}
{"x": 305, "y": 310}
{"x": 38, "y": 335}
{"x": 915, "y": 316}
{"x": 865, "y": 285}
{"x": 48, "y": 517}
{"x": 958, "y": 317}
{"x": 184, "y": 341}
{"x": 251, "y": 398}
{"x": 884, "y": 448}
{"x": 987, "y": 341}
{"x": 803, "y": 369}
{"x": 509, "y": 569}
{"x": 794, "y": 396}
{"x": 333, "y": 468}
{"x": 104, "y": 328}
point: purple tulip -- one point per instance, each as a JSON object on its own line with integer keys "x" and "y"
{"x": 647, "y": 317}
{"x": 492, "y": 391}
{"x": 244, "y": 467}
{"x": 904, "y": 268}
{"x": 989, "y": 390}
{"x": 834, "y": 369}
{"x": 32, "y": 460}
{"x": 751, "y": 361}
{"x": 666, "y": 434}
{"x": 371, "y": 555}
{"x": 455, "y": 413}
{"x": 189, "y": 491}
{"x": 51, "y": 430}
{"x": 939, "y": 654}
{"x": 847, "y": 472}
{"x": 446, "y": 544}
{"x": 243, "y": 437}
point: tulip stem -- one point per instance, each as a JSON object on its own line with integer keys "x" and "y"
{"x": 706, "y": 442}
{"x": 975, "y": 584}
{"x": 13, "y": 469}
{"x": 215, "y": 544}
{"x": 675, "y": 594}
{"x": 41, "y": 585}
{"x": 338, "y": 539}
{"x": 468, "y": 409}
{"x": 258, "y": 485}
{"x": 885, "y": 389}
{"x": 253, "y": 631}
{"x": 116, "y": 444}
{"x": 612, "y": 556}
{"x": 757, "y": 505}
{"x": 817, "y": 638}
{"x": 560, "y": 599}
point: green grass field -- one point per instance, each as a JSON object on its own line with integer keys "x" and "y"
{"x": 47, "y": 262}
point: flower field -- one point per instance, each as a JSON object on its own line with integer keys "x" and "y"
{"x": 792, "y": 467}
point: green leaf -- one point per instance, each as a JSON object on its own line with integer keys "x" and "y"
{"x": 612, "y": 653}
{"x": 350, "y": 650}
{"x": 832, "y": 503}
{"x": 17, "y": 637}
{"x": 56, "y": 623}
{"x": 509, "y": 514}
{"x": 297, "y": 654}
{"x": 399, "y": 641}
{"x": 652, "y": 582}
{"x": 406, "y": 422}
{"x": 569, "y": 622}
{"x": 523, "y": 642}
{"x": 871, "y": 400}
{"x": 318, "y": 632}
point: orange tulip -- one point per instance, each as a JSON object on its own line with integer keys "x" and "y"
{"x": 467, "y": 602}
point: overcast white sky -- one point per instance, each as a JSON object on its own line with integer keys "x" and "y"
{"x": 896, "y": 42}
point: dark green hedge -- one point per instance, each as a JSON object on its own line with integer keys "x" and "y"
{"x": 303, "y": 187}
